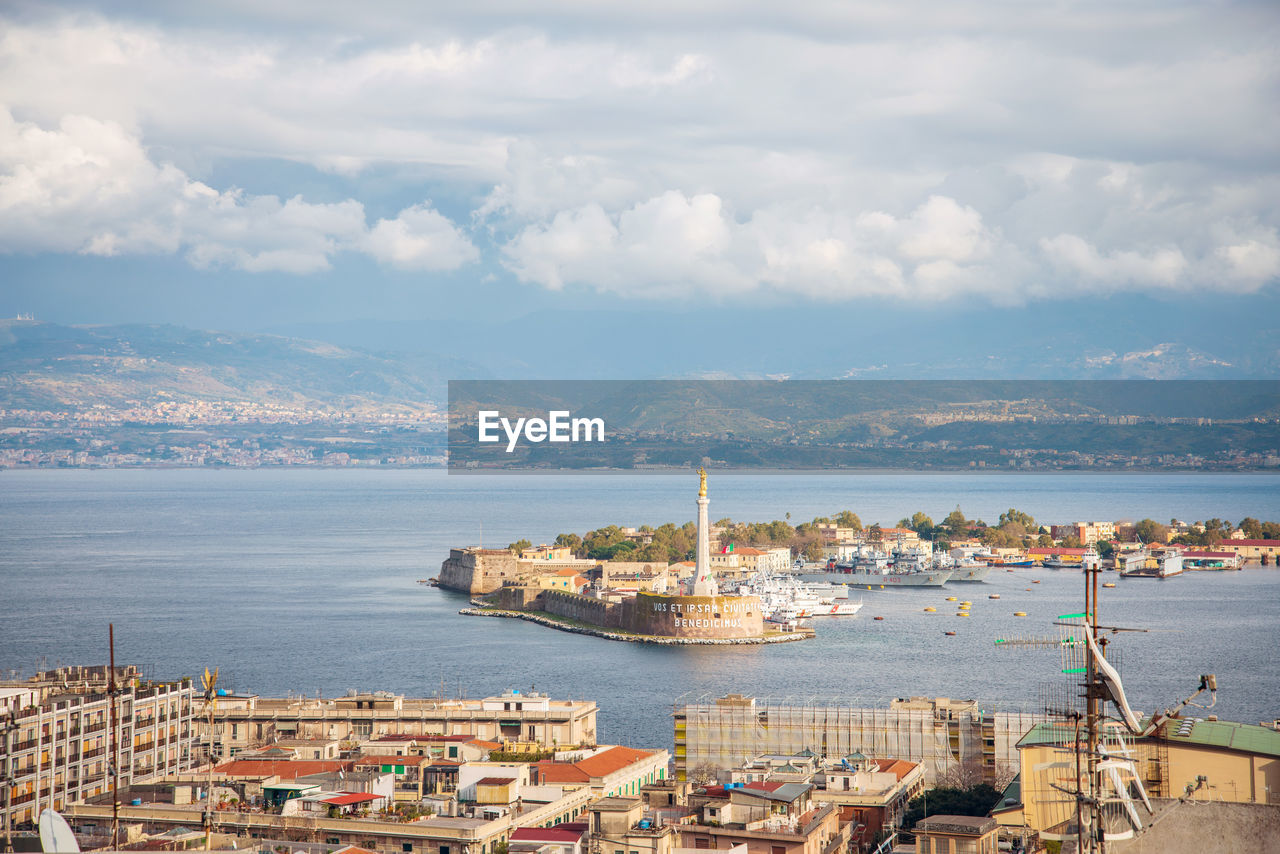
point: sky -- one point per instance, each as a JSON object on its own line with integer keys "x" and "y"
{"x": 261, "y": 165}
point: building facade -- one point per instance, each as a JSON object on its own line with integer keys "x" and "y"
{"x": 58, "y": 747}
{"x": 242, "y": 722}
{"x": 939, "y": 733}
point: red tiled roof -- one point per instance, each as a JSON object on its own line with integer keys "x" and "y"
{"x": 764, "y": 785}
{"x": 350, "y": 798}
{"x": 1275, "y": 543}
{"x": 495, "y": 781}
{"x": 286, "y": 768}
{"x": 1208, "y": 554}
{"x": 487, "y": 745}
{"x": 601, "y": 765}
{"x": 897, "y": 767}
{"x": 1056, "y": 551}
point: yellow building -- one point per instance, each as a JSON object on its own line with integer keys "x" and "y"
{"x": 1239, "y": 763}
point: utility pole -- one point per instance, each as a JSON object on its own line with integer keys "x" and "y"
{"x": 210, "y": 680}
{"x": 115, "y": 740}
{"x": 9, "y": 725}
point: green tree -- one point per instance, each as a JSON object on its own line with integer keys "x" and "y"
{"x": 848, "y": 519}
{"x": 955, "y": 523}
{"x": 1105, "y": 548}
{"x": 573, "y": 541}
{"x": 1252, "y": 528}
{"x": 975, "y": 800}
{"x": 1017, "y": 516}
{"x": 519, "y": 546}
{"x": 1151, "y": 531}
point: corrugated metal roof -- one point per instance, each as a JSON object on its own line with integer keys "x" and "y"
{"x": 1233, "y": 736}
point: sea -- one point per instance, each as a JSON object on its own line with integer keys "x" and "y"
{"x": 299, "y": 581}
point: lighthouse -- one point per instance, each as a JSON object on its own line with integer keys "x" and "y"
{"x": 703, "y": 583}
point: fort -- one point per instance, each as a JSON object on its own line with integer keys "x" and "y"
{"x": 655, "y": 605}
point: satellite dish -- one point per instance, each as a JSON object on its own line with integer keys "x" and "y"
{"x": 56, "y": 835}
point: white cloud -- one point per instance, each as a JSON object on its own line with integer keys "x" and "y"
{"x": 90, "y": 187}
{"x": 831, "y": 151}
{"x": 1161, "y": 267}
{"x": 419, "y": 239}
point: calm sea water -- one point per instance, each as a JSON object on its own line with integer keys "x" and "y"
{"x": 306, "y": 581}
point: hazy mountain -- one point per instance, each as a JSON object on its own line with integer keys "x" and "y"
{"x": 1129, "y": 339}
{"x": 48, "y": 366}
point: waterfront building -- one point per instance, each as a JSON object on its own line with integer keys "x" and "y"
{"x": 1088, "y": 533}
{"x": 57, "y": 740}
{"x": 691, "y": 610}
{"x": 941, "y": 734}
{"x": 1252, "y": 550}
{"x": 245, "y": 721}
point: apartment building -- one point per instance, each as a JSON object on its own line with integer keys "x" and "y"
{"x": 57, "y": 744}
{"x": 245, "y": 721}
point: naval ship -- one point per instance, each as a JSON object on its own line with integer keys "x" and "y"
{"x": 875, "y": 568}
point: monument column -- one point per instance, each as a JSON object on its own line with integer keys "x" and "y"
{"x": 704, "y": 584}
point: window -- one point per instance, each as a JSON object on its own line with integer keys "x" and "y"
{"x": 406, "y": 847}
{"x": 779, "y": 849}
{"x": 332, "y": 840}
{"x": 444, "y": 849}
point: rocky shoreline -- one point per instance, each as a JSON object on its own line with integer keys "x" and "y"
{"x": 543, "y": 620}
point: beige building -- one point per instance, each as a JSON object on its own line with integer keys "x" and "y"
{"x": 1252, "y": 550}
{"x": 60, "y": 744}
{"x": 1240, "y": 763}
{"x": 939, "y": 733}
{"x": 1089, "y": 533}
{"x": 250, "y": 721}
{"x": 485, "y": 832}
{"x": 956, "y": 834}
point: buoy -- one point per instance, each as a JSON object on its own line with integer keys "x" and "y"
{"x": 931, "y": 609}
{"x": 951, "y": 598}
{"x": 994, "y": 596}
{"x": 966, "y": 603}
{"x": 1028, "y": 589}
{"x": 868, "y": 586}
{"x": 881, "y": 586}
{"x": 961, "y": 614}
{"x": 877, "y": 618}
{"x": 1035, "y": 581}
{"x": 952, "y": 634}
{"x": 1108, "y": 584}
{"x": 1019, "y": 613}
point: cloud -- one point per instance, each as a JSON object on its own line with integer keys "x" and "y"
{"x": 921, "y": 151}
{"x": 419, "y": 239}
{"x": 88, "y": 186}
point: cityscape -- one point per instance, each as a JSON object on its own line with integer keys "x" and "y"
{"x": 639, "y": 428}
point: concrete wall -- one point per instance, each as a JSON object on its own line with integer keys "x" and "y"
{"x": 584, "y": 609}
{"x": 694, "y": 616}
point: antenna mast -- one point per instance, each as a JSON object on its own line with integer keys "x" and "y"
{"x": 112, "y": 688}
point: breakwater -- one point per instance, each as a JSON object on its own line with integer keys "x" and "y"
{"x": 551, "y": 622}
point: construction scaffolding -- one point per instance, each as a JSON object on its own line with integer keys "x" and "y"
{"x": 945, "y": 736}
